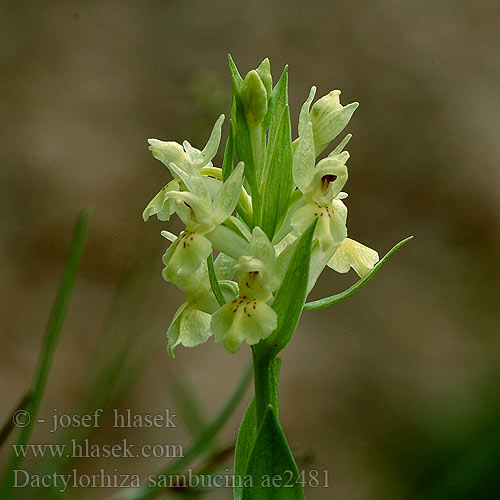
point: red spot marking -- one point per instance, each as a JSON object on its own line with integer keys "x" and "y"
{"x": 329, "y": 178}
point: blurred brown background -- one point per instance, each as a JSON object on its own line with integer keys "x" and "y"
{"x": 385, "y": 390}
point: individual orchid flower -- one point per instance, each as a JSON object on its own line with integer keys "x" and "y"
{"x": 341, "y": 258}
{"x": 185, "y": 156}
{"x": 321, "y": 187}
{"x": 201, "y": 213}
{"x": 349, "y": 254}
{"x": 191, "y": 323}
{"x": 171, "y": 152}
{"x": 248, "y": 316}
{"x": 162, "y": 205}
{"x": 256, "y": 91}
{"x": 328, "y": 117}
{"x": 254, "y": 95}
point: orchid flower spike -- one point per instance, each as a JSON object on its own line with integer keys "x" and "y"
{"x": 273, "y": 212}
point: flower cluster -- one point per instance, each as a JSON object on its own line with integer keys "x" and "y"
{"x": 253, "y": 214}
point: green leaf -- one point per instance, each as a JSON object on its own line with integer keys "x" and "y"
{"x": 242, "y": 136}
{"x": 228, "y": 162}
{"x": 271, "y": 465}
{"x": 235, "y": 74}
{"x": 53, "y": 329}
{"x": 243, "y": 142}
{"x": 214, "y": 282}
{"x": 290, "y": 298}
{"x": 248, "y": 427}
{"x": 278, "y": 181}
{"x": 329, "y": 301}
{"x": 244, "y": 445}
{"x": 278, "y": 100}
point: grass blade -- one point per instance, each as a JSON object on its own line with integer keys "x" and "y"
{"x": 8, "y": 425}
{"x": 198, "y": 447}
{"x": 51, "y": 336}
{"x": 185, "y": 398}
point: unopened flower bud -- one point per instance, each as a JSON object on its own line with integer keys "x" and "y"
{"x": 255, "y": 95}
{"x": 329, "y": 118}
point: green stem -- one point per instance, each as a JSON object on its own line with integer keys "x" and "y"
{"x": 261, "y": 384}
{"x": 265, "y": 378}
{"x": 254, "y": 189}
{"x": 214, "y": 283}
{"x": 256, "y": 139}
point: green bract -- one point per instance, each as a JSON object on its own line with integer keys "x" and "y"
{"x": 254, "y": 213}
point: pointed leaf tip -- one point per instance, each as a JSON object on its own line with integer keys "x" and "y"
{"x": 333, "y": 299}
